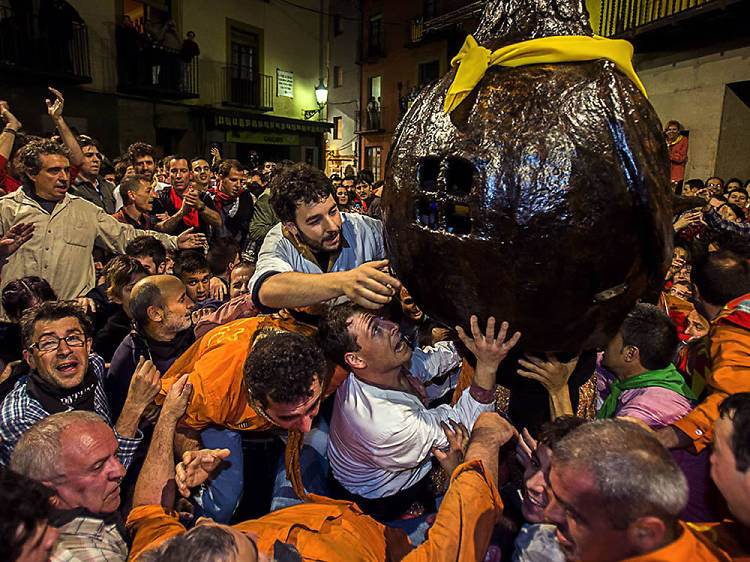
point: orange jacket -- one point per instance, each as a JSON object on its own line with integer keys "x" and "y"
{"x": 215, "y": 364}
{"x": 689, "y": 546}
{"x": 337, "y": 531}
{"x": 726, "y": 369}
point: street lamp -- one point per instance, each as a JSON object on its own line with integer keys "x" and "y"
{"x": 321, "y": 96}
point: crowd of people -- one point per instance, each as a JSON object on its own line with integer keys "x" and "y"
{"x": 159, "y": 315}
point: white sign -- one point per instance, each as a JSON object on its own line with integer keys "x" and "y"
{"x": 284, "y": 83}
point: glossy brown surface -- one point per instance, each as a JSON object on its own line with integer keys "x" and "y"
{"x": 543, "y": 199}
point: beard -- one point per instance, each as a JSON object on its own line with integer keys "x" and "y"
{"x": 318, "y": 246}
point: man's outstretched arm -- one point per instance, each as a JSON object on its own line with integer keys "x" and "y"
{"x": 367, "y": 285}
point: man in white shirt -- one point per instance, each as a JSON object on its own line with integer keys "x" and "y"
{"x": 382, "y": 433}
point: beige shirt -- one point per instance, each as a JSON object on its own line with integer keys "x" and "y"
{"x": 60, "y": 249}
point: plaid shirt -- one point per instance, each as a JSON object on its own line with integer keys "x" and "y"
{"x": 713, "y": 220}
{"x": 19, "y": 412}
{"x": 89, "y": 539}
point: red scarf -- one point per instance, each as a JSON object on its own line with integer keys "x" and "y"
{"x": 221, "y": 199}
{"x": 191, "y": 217}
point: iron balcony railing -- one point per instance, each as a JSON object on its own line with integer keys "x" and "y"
{"x": 627, "y": 16}
{"x": 47, "y": 43}
{"x": 145, "y": 67}
{"x": 245, "y": 88}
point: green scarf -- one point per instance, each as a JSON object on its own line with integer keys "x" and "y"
{"x": 668, "y": 378}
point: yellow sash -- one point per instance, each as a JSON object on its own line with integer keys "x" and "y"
{"x": 473, "y": 60}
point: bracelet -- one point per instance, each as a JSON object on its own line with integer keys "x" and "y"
{"x": 11, "y": 131}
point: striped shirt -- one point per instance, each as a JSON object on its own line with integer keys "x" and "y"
{"x": 19, "y": 412}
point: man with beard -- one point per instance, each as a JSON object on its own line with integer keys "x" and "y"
{"x": 162, "y": 331}
{"x": 721, "y": 289}
{"x": 316, "y": 253}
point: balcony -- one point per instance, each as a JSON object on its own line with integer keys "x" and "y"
{"x": 248, "y": 89}
{"x": 373, "y": 120}
{"x": 669, "y": 25}
{"x": 48, "y": 46}
{"x": 146, "y": 68}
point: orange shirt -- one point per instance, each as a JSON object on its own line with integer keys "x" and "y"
{"x": 689, "y": 546}
{"x": 337, "y": 531}
{"x": 215, "y": 363}
{"x": 726, "y": 370}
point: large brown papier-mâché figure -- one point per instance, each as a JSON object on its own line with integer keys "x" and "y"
{"x": 542, "y": 199}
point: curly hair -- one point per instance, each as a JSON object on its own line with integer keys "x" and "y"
{"x": 333, "y": 332}
{"x": 26, "y": 505}
{"x": 31, "y": 154}
{"x": 139, "y": 150}
{"x": 282, "y": 366}
{"x": 296, "y": 185}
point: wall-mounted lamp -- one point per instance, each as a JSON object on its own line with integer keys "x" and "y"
{"x": 321, "y": 96}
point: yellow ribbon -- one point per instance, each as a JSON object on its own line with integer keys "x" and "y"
{"x": 473, "y": 60}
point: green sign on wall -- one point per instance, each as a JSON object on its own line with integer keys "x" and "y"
{"x": 261, "y": 137}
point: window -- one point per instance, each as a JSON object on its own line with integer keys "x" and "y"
{"x": 373, "y": 121}
{"x": 244, "y": 71}
{"x": 337, "y": 128}
{"x": 428, "y": 72}
{"x": 372, "y": 161}
{"x": 375, "y": 36}
{"x": 338, "y": 76}
{"x": 373, "y": 90}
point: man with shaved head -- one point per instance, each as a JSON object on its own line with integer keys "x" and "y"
{"x": 162, "y": 331}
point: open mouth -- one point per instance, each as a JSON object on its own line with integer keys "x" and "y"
{"x": 67, "y": 367}
{"x": 534, "y": 501}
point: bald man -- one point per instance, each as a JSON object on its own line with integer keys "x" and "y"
{"x": 163, "y": 331}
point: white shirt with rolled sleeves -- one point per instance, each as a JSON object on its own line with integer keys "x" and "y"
{"x": 380, "y": 440}
{"x": 364, "y": 236}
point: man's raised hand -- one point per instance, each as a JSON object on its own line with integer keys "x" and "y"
{"x": 552, "y": 374}
{"x": 176, "y": 401}
{"x": 488, "y": 349}
{"x": 145, "y": 384}
{"x": 55, "y": 108}
{"x": 10, "y": 120}
{"x": 16, "y": 235}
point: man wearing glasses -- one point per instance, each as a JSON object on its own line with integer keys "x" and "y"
{"x": 64, "y": 377}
